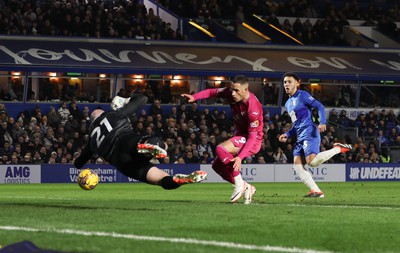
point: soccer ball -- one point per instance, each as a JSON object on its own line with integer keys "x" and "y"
{"x": 87, "y": 179}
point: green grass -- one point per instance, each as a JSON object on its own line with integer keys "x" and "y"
{"x": 353, "y": 217}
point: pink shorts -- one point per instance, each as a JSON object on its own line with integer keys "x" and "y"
{"x": 239, "y": 141}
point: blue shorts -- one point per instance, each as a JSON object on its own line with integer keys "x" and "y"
{"x": 307, "y": 147}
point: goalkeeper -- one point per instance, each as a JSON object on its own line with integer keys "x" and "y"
{"x": 112, "y": 138}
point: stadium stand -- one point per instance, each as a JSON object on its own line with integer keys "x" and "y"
{"x": 311, "y": 22}
{"x": 58, "y": 135}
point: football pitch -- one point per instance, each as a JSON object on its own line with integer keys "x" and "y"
{"x": 353, "y": 217}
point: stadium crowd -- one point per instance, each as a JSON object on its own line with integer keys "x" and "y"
{"x": 131, "y": 19}
{"x": 330, "y": 16}
{"x": 108, "y": 19}
{"x": 190, "y": 132}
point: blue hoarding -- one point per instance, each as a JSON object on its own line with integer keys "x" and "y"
{"x": 67, "y": 173}
{"x": 372, "y": 172}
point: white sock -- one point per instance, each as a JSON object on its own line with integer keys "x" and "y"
{"x": 324, "y": 156}
{"x": 238, "y": 181}
{"x": 306, "y": 177}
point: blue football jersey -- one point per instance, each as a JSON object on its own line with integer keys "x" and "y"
{"x": 299, "y": 108}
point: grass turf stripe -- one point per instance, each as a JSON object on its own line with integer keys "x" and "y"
{"x": 265, "y": 248}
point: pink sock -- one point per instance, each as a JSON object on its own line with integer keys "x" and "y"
{"x": 234, "y": 172}
{"x": 223, "y": 154}
{"x": 224, "y": 170}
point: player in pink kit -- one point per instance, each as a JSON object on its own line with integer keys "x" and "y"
{"x": 248, "y": 119}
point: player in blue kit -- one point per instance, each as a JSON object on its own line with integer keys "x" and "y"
{"x": 306, "y": 149}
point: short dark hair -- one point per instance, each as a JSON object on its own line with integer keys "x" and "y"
{"x": 291, "y": 74}
{"x": 240, "y": 79}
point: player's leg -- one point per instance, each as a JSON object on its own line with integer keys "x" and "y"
{"x": 157, "y": 176}
{"x": 306, "y": 178}
{"x": 138, "y": 166}
{"x": 225, "y": 151}
{"x": 223, "y": 170}
{"x": 155, "y": 147}
{"x": 152, "y": 146}
{"x": 148, "y": 173}
{"x": 328, "y": 154}
{"x": 248, "y": 194}
{"x": 224, "y": 167}
{"x": 309, "y": 149}
{"x": 249, "y": 190}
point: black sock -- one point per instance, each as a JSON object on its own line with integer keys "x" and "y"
{"x": 168, "y": 183}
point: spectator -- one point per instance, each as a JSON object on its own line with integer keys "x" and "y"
{"x": 6, "y": 133}
{"x": 365, "y": 158}
{"x": 248, "y": 160}
{"x": 204, "y": 12}
{"x": 190, "y": 158}
{"x": 360, "y": 155}
{"x": 61, "y": 133}
{"x": 49, "y": 138}
{"x": 374, "y": 158}
{"x": 155, "y": 108}
{"x": 14, "y": 159}
{"x": 173, "y": 114}
{"x": 53, "y": 118}
{"x": 385, "y": 156}
{"x": 350, "y": 158}
{"x": 392, "y": 136}
{"x": 182, "y": 112}
{"x": 44, "y": 154}
{"x": 75, "y": 111}
{"x": 22, "y": 118}
{"x": 37, "y": 113}
{"x": 273, "y": 134}
{"x": 260, "y": 159}
{"x": 279, "y": 156}
{"x": 223, "y": 123}
{"x": 166, "y": 160}
{"x": 183, "y": 132}
{"x": 204, "y": 146}
{"x": 63, "y": 112}
{"x": 140, "y": 131}
{"x": 176, "y": 154}
{"x": 5, "y": 159}
{"x": 382, "y": 138}
{"x": 192, "y": 127}
{"x": 180, "y": 160}
{"x": 289, "y": 153}
{"x": 71, "y": 126}
{"x": 51, "y": 160}
{"x": 194, "y": 113}
{"x": 205, "y": 158}
{"x": 36, "y": 159}
{"x": 171, "y": 129}
{"x": 6, "y": 149}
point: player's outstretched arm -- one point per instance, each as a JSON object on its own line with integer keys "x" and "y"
{"x": 189, "y": 97}
{"x": 137, "y": 100}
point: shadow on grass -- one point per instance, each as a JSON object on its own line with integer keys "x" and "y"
{"x": 75, "y": 207}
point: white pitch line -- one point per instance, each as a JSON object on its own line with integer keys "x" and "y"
{"x": 332, "y": 206}
{"x": 30, "y": 197}
{"x": 265, "y": 248}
